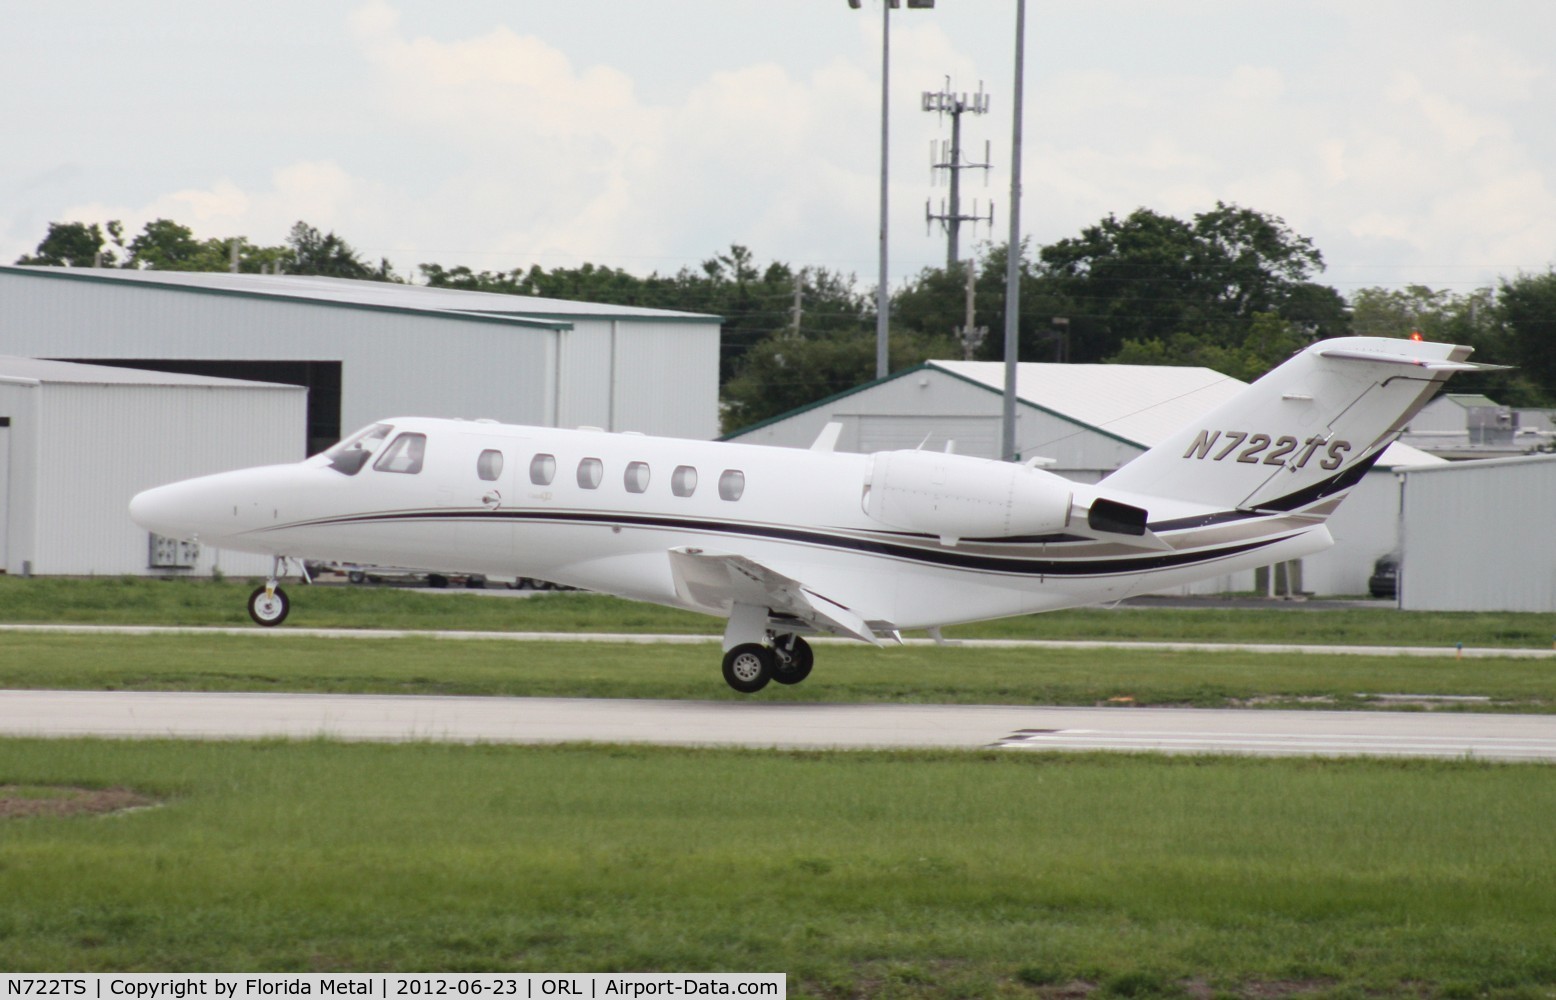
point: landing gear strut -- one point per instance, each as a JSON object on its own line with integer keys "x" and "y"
{"x": 755, "y": 656}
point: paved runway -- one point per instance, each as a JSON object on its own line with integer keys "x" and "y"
{"x": 770, "y": 724}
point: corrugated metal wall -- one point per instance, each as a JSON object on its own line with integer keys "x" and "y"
{"x": 1477, "y": 536}
{"x": 641, "y": 375}
{"x": 394, "y": 362}
{"x": 19, "y": 402}
{"x": 99, "y": 445}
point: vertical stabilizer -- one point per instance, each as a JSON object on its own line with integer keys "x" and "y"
{"x": 1305, "y": 432}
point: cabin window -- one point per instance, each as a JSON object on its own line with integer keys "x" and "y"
{"x": 489, "y": 465}
{"x": 590, "y": 472}
{"x": 542, "y": 469}
{"x": 404, "y": 454}
{"x": 349, "y": 456}
{"x": 732, "y": 483}
{"x": 636, "y": 479}
{"x": 683, "y": 482}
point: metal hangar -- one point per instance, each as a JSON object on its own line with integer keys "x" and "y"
{"x": 368, "y": 350}
{"x": 77, "y": 441}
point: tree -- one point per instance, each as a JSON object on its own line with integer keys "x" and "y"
{"x": 1476, "y": 319}
{"x": 782, "y": 373}
{"x": 934, "y": 305}
{"x": 1151, "y": 276}
{"x": 164, "y": 245}
{"x": 329, "y": 255}
{"x": 1526, "y": 312}
{"x": 75, "y": 244}
{"x": 754, "y": 303}
{"x": 1270, "y": 340}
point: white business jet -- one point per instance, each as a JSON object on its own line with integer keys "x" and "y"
{"x": 785, "y": 542}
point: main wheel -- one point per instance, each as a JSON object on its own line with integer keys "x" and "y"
{"x": 792, "y": 659}
{"x": 748, "y": 667}
{"x": 271, "y": 609}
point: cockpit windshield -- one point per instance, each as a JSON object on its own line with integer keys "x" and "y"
{"x": 350, "y": 455}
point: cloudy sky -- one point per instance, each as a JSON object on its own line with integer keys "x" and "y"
{"x": 1415, "y": 142}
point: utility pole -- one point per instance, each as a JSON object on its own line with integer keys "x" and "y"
{"x": 797, "y": 310}
{"x": 971, "y": 336}
{"x": 948, "y": 157}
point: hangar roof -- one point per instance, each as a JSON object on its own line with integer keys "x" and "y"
{"x": 1140, "y": 405}
{"x": 371, "y": 295}
{"x": 37, "y": 370}
{"x": 1143, "y": 404}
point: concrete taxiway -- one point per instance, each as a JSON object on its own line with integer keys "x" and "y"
{"x": 1310, "y": 649}
{"x": 396, "y": 718}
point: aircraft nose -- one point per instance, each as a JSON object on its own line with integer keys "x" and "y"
{"x": 165, "y": 510}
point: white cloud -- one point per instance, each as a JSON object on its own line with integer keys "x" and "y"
{"x": 500, "y": 135}
{"x": 320, "y": 193}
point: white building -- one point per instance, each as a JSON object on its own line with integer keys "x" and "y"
{"x": 368, "y": 350}
{"x": 1088, "y": 420}
{"x": 78, "y": 441}
{"x": 1477, "y": 536}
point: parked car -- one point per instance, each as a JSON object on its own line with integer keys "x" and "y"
{"x": 1384, "y": 581}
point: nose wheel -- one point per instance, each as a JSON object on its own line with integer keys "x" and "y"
{"x": 268, "y": 605}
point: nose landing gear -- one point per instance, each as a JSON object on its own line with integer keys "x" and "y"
{"x": 269, "y": 605}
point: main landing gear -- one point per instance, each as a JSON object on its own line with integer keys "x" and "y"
{"x": 749, "y": 666}
{"x": 269, "y": 605}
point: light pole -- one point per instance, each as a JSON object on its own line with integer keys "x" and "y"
{"x": 882, "y": 298}
{"x": 1013, "y": 253}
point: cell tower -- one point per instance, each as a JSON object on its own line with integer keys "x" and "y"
{"x": 947, "y": 156}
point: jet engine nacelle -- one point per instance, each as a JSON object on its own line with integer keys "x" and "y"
{"x": 957, "y": 496}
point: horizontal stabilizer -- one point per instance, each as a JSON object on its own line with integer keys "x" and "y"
{"x": 717, "y": 581}
{"x": 1430, "y": 364}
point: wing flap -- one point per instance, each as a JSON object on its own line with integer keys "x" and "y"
{"x": 717, "y": 581}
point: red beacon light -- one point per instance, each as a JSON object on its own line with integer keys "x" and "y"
{"x": 1416, "y": 335}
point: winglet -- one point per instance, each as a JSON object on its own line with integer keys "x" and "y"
{"x": 1430, "y": 364}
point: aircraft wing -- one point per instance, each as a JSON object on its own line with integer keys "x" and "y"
{"x": 717, "y": 581}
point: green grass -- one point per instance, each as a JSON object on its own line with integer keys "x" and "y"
{"x": 845, "y": 672}
{"x": 137, "y": 601}
{"x": 923, "y": 874}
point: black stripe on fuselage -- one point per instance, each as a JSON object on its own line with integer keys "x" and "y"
{"x": 1022, "y": 566}
{"x": 1337, "y": 483}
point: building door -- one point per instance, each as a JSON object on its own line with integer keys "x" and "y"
{"x": 5, "y": 492}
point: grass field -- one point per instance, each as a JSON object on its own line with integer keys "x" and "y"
{"x": 859, "y": 874}
{"x": 845, "y": 672}
{"x": 136, "y": 601}
{"x": 874, "y": 874}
